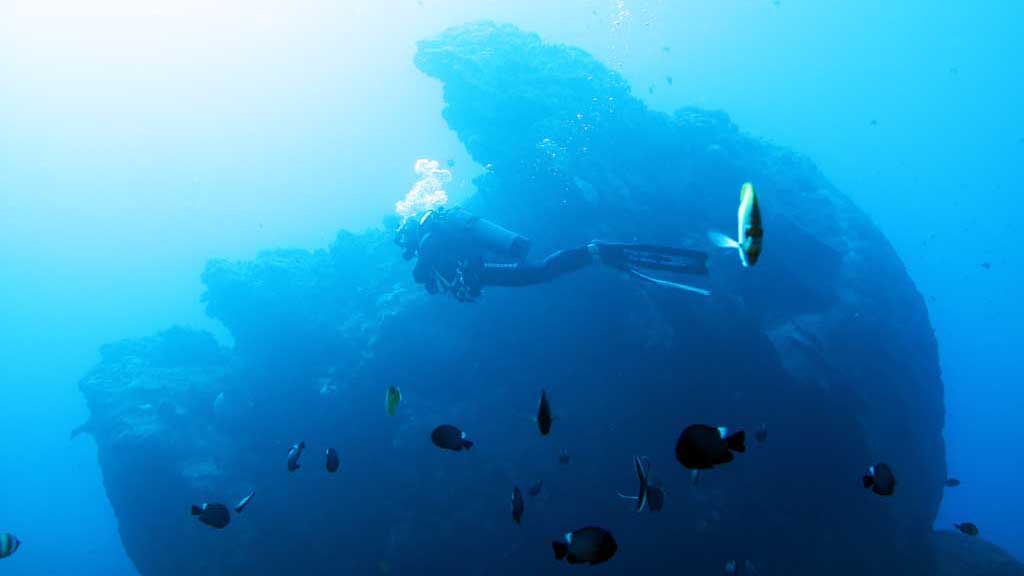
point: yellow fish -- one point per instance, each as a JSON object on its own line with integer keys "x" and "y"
{"x": 749, "y": 233}
{"x": 393, "y": 398}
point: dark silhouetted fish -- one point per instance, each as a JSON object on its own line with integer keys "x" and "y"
{"x": 967, "y": 528}
{"x": 244, "y": 502}
{"x": 761, "y": 435}
{"x": 702, "y": 447}
{"x": 986, "y": 265}
{"x": 880, "y": 480}
{"x": 590, "y": 545}
{"x": 655, "y": 498}
{"x": 563, "y": 458}
{"x": 449, "y": 437}
{"x": 215, "y": 515}
{"x": 294, "y": 453}
{"x": 740, "y": 568}
{"x": 332, "y": 460}
{"x": 952, "y": 482}
{"x": 534, "y": 489}
{"x": 544, "y": 418}
{"x": 9, "y": 544}
{"x": 517, "y": 504}
{"x": 642, "y": 467}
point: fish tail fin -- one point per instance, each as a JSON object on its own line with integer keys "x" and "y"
{"x": 302, "y": 445}
{"x": 722, "y": 241}
{"x": 737, "y": 442}
{"x": 868, "y": 481}
{"x": 467, "y": 444}
{"x": 196, "y": 510}
{"x": 560, "y": 548}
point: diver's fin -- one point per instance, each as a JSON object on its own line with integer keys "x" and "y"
{"x": 669, "y": 283}
{"x": 722, "y": 241}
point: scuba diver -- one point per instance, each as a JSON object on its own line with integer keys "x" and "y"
{"x": 460, "y": 253}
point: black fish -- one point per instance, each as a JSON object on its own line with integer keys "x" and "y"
{"x": 761, "y": 435}
{"x": 544, "y": 414}
{"x": 534, "y": 489}
{"x": 655, "y": 498}
{"x": 642, "y": 467}
{"x": 294, "y": 453}
{"x": 563, "y": 458}
{"x": 332, "y": 460}
{"x": 880, "y": 480}
{"x": 702, "y": 447}
{"x": 517, "y": 504}
{"x": 449, "y": 437}
{"x": 244, "y": 502}
{"x": 214, "y": 515}
{"x": 590, "y": 545}
{"x": 952, "y": 482}
{"x": 967, "y": 528}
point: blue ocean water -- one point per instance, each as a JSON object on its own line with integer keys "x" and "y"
{"x": 140, "y": 141}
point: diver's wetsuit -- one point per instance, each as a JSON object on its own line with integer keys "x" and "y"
{"x": 526, "y": 272}
{"x": 460, "y": 253}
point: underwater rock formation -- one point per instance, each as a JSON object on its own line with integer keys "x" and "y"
{"x": 827, "y": 342}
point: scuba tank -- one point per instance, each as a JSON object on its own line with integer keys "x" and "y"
{"x": 486, "y": 234}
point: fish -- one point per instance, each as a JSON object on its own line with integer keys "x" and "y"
{"x": 213, "y": 515}
{"x": 739, "y": 568}
{"x": 880, "y": 480}
{"x": 544, "y": 418}
{"x": 749, "y": 234}
{"x": 761, "y": 435}
{"x": 517, "y": 505}
{"x": 244, "y": 502}
{"x": 642, "y": 467}
{"x": 967, "y": 528}
{"x": 668, "y": 80}
{"x": 590, "y": 545}
{"x": 448, "y": 437}
{"x": 393, "y": 398}
{"x": 702, "y": 447}
{"x": 952, "y": 482}
{"x": 9, "y": 544}
{"x": 294, "y": 453}
{"x": 534, "y": 489}
{"x": 986, "y": 265}
{"x": 655, "y": 498}
{"x": 332, "y": 460}
{"x": 563, "y": 458}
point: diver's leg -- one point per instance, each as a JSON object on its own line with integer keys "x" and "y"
{"x": 527, "y": 273}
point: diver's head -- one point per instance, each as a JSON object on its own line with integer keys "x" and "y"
{"x": 408, "y": 236}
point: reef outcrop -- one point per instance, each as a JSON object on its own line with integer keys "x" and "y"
{"x": 827, "y": 341}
